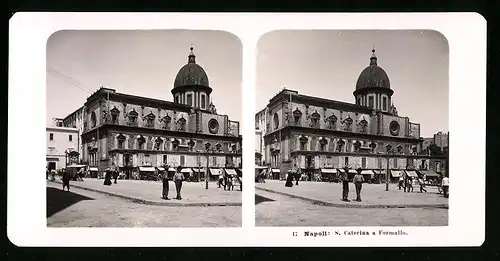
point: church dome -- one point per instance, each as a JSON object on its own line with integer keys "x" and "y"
{"x": 373, "y": 76}
{"x": 191, "y": 74}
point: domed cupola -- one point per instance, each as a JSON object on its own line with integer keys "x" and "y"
{"x": 373, "y": 88}
{"x": 191, "y": 86}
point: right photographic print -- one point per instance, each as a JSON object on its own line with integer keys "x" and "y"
{"x": 351, "y": 128}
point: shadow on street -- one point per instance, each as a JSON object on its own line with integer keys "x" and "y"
{"x": 58, "y": 200}
{"x": 260, "y": 199}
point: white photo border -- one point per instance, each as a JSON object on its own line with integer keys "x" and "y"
{"x": 28, "y": 34}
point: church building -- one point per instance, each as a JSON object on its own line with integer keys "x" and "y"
{"x": 141, "y": 134}
{"x": 321, "y": 135}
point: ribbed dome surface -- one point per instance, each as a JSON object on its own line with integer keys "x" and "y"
{"x": 191, "y": 73}
{"x": 373, "y": 76}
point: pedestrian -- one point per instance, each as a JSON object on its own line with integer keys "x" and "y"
{"x": 107, "y": 177}
{"x": 445, "y": 183}
{"x": 114, "y": 171}
{"x": 65, "y": 178}
{"x": 178, "y": 178}
{"x": 345, "y": 184}
{"x": 165, "y": 185}
{"x": 221, "y": 179}
{"x": 52, "y": 175}
{"x": 410, "y": 184}
{"x": 296, "y": 174}
{"x": 401, "y": 180}
{"x": 422, "y": 185}
{"x": 358, "y": 181}
{"x": 289, "y": 180}
{"x": 230, "y": 184}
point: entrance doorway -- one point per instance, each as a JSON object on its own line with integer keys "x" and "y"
{"x": 52, "y": 166}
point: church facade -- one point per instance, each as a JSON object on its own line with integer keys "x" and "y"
{"x": 318, "y": 134}
{"x": 137, "y": 133}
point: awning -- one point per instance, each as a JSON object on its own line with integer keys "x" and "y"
{"x": 275, "y": 170}
{"x": 351, "y": 171}
{"x": 93, "y": 169}
{"x": 187, "y": 170}
{"x": 76, "y": 166}
{"x": 161, "y": 168}
{"x": 231, "y": 171}
{"x": 329, "y": 171}
{"x": 147, "y": 169}
{"x": 172, "y": 169}
{"x": 201, "y": 170}
{"x": 429, "y": 173}
{"x": 396, "y": 173}
{"x": 380, "y": 172}
{"x": 367, "y": 172}
{"x": 411, "y": 173}
{"x": 52, "y": 159}
{"x": 216, "y": 172}
{"x": 260, "y": 167}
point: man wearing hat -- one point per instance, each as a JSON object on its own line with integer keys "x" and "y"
{"x": 358, "y": 181}
{"x": 345, "y": 184}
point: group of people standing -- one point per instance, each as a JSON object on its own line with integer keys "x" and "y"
{"x": 406, "y": 182}
{"x": 111, "y": 173}
{"x": 228, "y": 181}
{"x": 358, "y": 184}
{"x": 178, "y": 178}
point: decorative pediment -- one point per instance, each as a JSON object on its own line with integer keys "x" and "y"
{"x": 315, "y": 115}
{"x": 218, "y": 146}
{"x": 115, "y": 110}
{"x": 121, "y": 137}
{"x": 175, "y": 142}
{"x": 166, "y": 119}
{"x": 357, "y": 144}
{"x": 159, "y": 140}
{"x": 191, "y": 143}
{"x": 303, "y": 138}
{"x": 332, "y": 118}
{"x": 341, "y": 142}
{"x": 348, "y": 120}
{"x": 133, "y": 113}
{"x": 323, "y": 140}
{"x": 388, "y": 147}
{"x": 150, "y": 116}
{"x": 373, "y": 145}
{"x": 181, "y": 120}
{"x": 297, "y": 113}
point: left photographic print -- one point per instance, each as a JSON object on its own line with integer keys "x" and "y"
{"x": 143, "y": 129}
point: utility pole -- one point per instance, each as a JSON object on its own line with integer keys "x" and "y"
{"x": 387, "y": 172}
{"x": 206, "y": 172}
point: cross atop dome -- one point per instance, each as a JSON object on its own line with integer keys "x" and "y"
{"x": 191, "y": 56}
{"x": 373, "y": 59}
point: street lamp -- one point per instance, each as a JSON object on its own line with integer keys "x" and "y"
{"x": 199, "y": 165}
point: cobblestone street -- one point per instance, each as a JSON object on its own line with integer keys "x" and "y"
{"x": 278, "y": 210}
{"x": 372, "y": 194}
{"x": 83, "y": 208}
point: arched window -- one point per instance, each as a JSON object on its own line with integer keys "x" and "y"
{"x": 121, "y": 140}
{"x": 93, "y": 120}
{"x": 276, "y": 121}
{"x": 303, "y": 143}
{"x": 340, "y": 145}
{"x": 140, "y": 142}
{"x": 182, "y": 124}
{"x": 203, "y": 102}
{"x": 322, "y": 144}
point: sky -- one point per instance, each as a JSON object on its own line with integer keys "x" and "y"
{"x": 142, "y": 63}
{"x": 327, "y": 64}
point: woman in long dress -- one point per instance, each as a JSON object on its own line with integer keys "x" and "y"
{"x": 289, "y": 180}
{"x": 107, "y": 178}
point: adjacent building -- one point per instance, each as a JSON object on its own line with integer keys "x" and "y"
{"x": 140, "y": 133}
{"x": 62, "y": 144}
{"x": 322, "y": 135}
